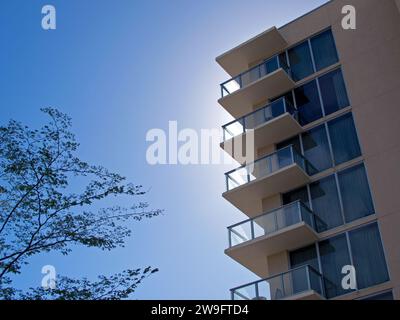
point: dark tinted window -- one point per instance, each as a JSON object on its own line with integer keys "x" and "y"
{"x": 324, "y": 50}
{"x": 298, "y": 194}
{"x": 334, "y": 255}
{"x": 308, "y": 103}
{"x": 295, "y": 141}
{"x": 300, "y": 61}
{"x": 316, "y": 149}
{"x": 333, "y": 91}
{"x": 325, "y": 203}
{"x": 368, "y": 256}
{"x": 382, "y": 296}
{"x": 344, "y": 139}
{"x": 356, "y": 196}
{"x": 304, "y": 256}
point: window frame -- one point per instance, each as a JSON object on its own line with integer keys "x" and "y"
{"x": 334, "y": 45}
{"x": 325, "y": 124}
{"x": 335, "y": 173}
{"x": 319, "y": 93}
{"x": 349, "y": 249}
{"x": 308, "y": 40}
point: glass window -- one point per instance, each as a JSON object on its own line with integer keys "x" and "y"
{"x": 308, "y": 103}
{"x": 300, "y": 61}
{"x": 325, "y": 202}
{"x": 334, "y": 255}
{"x": 356, "y": 196}
{"x": 381, "y": 296}
{"x": 316, "y": 149}
{"x": 298, "y": 194}
{"x": 368, "y": 256}
{"x": 283, "y": 61}
{"x": 324, "y": 50}
{"x": 333, "y": 91}
{"x": 344, "y": 139}
{"x": 302, "y": 257}
{"x": 295, "y": 141}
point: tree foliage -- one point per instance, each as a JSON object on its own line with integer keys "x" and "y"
{"x": 116, "y": 287}
{"x": 41, "y": 209}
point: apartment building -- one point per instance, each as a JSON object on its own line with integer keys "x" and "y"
{"x": 322, "y": 196}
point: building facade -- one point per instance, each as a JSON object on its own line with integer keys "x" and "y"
{"x": 321, "y": 103}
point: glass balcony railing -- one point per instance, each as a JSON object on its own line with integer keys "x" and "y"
{"x": 264, "y": 166}
{"x": 281, "y": 286}
{"x": 253, "y": 74}
{"x": 258, "y": 117}
{"x": 272, "y": 221}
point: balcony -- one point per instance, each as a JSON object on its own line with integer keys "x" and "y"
{"x": 260, "y": 47}
{"x": 267, "y": 80}
{"x": 283, "y": 229}
{"x": 302, "y": 283}
{"x": 275, "y": 122}
{"x": 279, "y": 172}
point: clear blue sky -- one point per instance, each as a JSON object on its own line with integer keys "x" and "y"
{"x": 120, "y": 68}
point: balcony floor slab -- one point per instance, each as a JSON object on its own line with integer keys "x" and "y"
{"x": 254, "y": 254}
{"x": 248, "y": 197}
{"x": 242, "y": 101}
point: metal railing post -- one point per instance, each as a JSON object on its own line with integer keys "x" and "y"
{"x": 321, "y": 283}
{"x": 229, "y": 237}
{"x": 265, "y": 112}
{"x": 276, "y": 220}
{"x": 313, "y": 220}
{"x": 269, "y": 163}
{"x": 284, "y": 105}
{"x": 252, "y": 229}
{"x": 292, "y": 153}
{"x": 257, "y": 292}
{"x": 308, "y": 277}
{"x": 300, "y": 215}
{"x": 283, "y": 286}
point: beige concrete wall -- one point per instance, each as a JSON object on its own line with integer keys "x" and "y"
{"x": 371, "y": 67}
{"x": 265, "y": 150}
{"x": 278, "y": 263}
{"x": 370, "y": 58}
{"x": 271, "y": 203}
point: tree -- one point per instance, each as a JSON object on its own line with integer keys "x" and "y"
{"x": 41, "y": 211}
